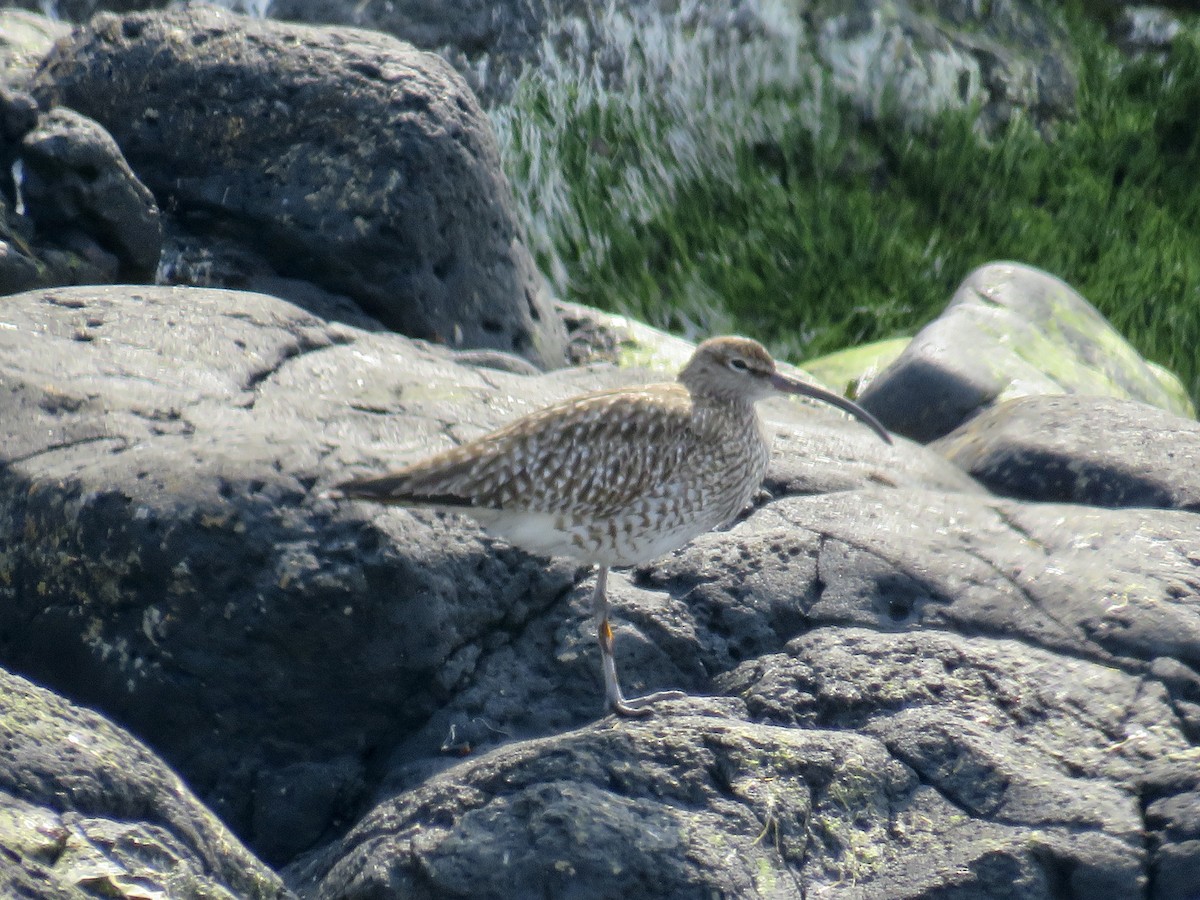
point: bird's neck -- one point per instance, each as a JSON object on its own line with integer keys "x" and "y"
{"x": 722, "y": 415}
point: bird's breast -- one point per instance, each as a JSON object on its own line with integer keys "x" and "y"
{"x": 712, "y": 485}
{"x": 714, "y": 471}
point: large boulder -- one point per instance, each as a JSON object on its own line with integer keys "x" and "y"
{"x": 86, "y": 810}
{"x": 1010, "y": 331}
{"x": 346, "y": 157}
{"x": 261, "y": 637}
{"x": 1036, "y": 682}
{"x": 923, "y": 672}
{"x": 855, "y": 762}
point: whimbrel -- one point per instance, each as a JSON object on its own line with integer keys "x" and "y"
{"x": 618, "y": 477}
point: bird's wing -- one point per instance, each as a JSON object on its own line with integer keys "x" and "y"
{"x": 596, "y": 453}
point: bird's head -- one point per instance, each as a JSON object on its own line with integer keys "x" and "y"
{"x": 738, "y": 369}
{"x": 730, "y": 368}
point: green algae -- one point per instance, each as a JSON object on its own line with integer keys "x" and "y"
{"x": 767, "y": 206}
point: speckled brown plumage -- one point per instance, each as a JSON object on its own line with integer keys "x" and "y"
{"x": 616, "y": 477}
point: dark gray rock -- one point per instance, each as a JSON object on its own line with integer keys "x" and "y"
{"x": 20, "y": 268}
{"x": 82, "y": 10}
{"x": 79, "y": 190}
{"x": 307, "y": 801}
{"x": 213, "y": 549}
{"x": 1113, "y": 586}
{"x": 474, "y": 25}
{"x": 1057, "y": 577}
{"x": 18, "y": 116}
{"x": 220, "y": 262}
{"x": 345, "y": 157}
{"x": 918, "y": 671}
{"x": 1081, "y": 449}
{"x": 1171, "y": 795}
{"x": 1009, "y": 331}
{"x": 1002, "y": 730}
{"x": 1030, "y": 741}
{"x": 86, "y": 810}
{"x": 700, "y": 802}
{"x": 71, "y": 210}
{"x": 179, "y": 440}
{"x": 493, "y": 43}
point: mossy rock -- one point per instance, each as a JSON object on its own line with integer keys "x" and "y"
{"x": 1012, "y": 331}
{"x": 87, "y": 810}
{"x": 849, "y": 371}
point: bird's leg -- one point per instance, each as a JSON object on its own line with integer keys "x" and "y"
{"x": 636, "y": 706}
{"x": 612, "y": 688}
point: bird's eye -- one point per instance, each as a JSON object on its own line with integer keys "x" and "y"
{"x": 738, "y": 364}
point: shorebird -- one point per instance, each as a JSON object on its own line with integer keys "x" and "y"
{"x": 618, "y": 477}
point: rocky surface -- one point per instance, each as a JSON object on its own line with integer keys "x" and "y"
{"x": 206, "y": 422}
{"x": 345, "y": 157}
{"x": 896, "y": 765}
{"x": 923, "y": 56}
{"x": 1082, "y": 449}
{"x": 88, "y": 811}
{"x": 917, "y": 688}
{"x": 1031, "y": 666}
{"x": 77, "y": 186}
{"x": 899, "y": 685}
{"x": 71, "y": 209}
{"x": 1009, "y": 331}
{"x": 916, "y": 59}
{"x": 1139, "y": 29}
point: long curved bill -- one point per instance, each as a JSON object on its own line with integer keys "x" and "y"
{"x": 789, "y": 385}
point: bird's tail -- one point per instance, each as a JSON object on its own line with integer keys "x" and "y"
{"x": 398, "y": 488}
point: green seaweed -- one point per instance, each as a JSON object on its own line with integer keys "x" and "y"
{"x": 723, "y": 193}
